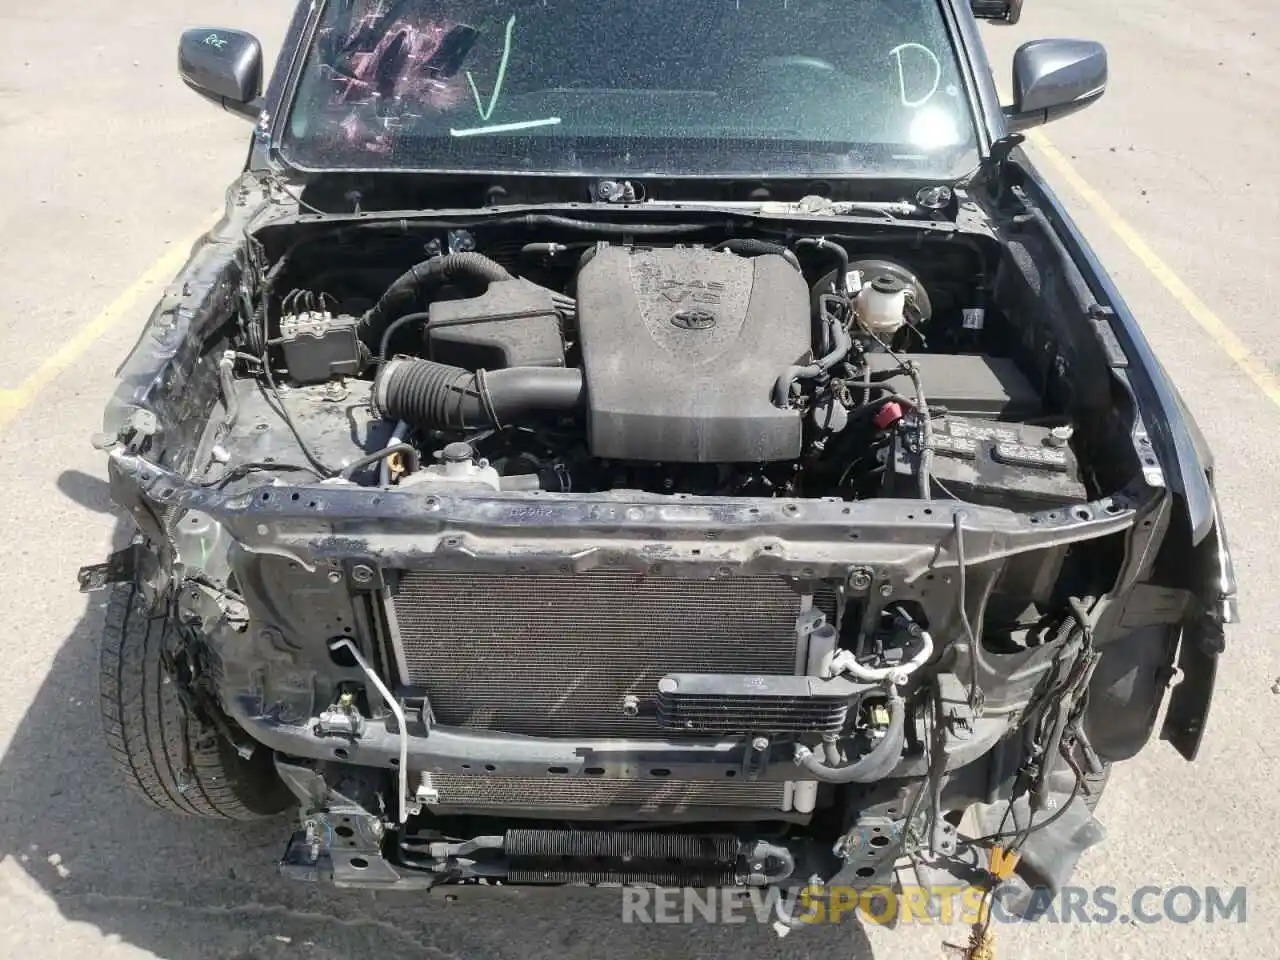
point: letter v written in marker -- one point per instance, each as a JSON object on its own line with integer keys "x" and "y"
{"x": 487, "y": 112}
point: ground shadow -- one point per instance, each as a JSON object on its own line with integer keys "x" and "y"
{"x": 88, "y": 491}
{"x": 188, "y": 890}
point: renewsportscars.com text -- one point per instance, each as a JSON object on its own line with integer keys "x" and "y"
{"x": 943, "y": 905}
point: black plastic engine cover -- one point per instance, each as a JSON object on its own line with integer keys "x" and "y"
{"x": 681, "y": 348}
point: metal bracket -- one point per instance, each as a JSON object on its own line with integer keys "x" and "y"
{"x": 341, "y": 720}
{"x": 755, "y": 758}
{"x": 1001, "y": 150}
{"x": 809, "y": 621}
{"x": 871, "y": 839}
{"x": 121, "y": 567}
{"x": 364, "y": 575}
{"x": 402, "y": 805}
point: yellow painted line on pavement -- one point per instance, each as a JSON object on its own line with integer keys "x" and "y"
{"x": 13, "y": 402}
{"x": 1253, "y": 366}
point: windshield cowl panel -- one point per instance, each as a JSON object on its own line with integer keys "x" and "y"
{"x": 727, "y": 88}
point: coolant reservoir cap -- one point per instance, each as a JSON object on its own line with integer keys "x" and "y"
{"x": 458, "y": 452}
{"x": 887, "y": 283}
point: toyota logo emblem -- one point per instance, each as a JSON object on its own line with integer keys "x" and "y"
{"x": 694, "y": 320}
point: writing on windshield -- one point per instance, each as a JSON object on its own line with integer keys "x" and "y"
{"x": 430, "y": 84}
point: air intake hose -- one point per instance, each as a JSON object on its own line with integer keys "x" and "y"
{"x": 875, "y": 765}
{"x": 422, "y": 281}
{"x": 751, "y": 247}
{"x": 436, "y": 396}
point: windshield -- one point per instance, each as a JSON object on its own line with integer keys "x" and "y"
{"x": 645, "y": 87}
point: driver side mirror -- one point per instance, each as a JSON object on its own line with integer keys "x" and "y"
{"x": 224, "y": 66}
{"x": 1053, "y": 79}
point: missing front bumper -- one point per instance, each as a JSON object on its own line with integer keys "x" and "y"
{"x": 542, "y": 856}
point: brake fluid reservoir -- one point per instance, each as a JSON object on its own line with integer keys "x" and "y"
{"x": 881, "y": 306}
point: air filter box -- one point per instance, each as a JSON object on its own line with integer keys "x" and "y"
{"x": 514, "y": 323}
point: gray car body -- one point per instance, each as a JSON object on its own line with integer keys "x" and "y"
{"x": 319, "y": 535}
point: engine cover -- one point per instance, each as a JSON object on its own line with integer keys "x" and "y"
{"x": 681, "y": 348}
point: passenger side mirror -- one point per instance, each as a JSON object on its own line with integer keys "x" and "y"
{"x": 1053, "y": 79}
{"x": 224, "y": 66}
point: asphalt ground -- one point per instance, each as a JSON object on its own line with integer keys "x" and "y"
{"x": 111, "y": 168}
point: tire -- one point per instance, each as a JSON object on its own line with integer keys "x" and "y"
{"x": 166, "y": 755}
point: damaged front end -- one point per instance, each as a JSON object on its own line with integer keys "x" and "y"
{"x": 800, "y": 672}
{"x": 707, "y": 560}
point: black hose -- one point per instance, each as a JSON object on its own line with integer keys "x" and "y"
{"x": 752, "y": 247}
{"x": 841, "y": 344}
{"x": 422, "y": 280}
{"x": 437, "y": 396}
{"x": 385, "y": 343}
{"x": 782, "y": 386}
{"x": 837, "y": 251}
{"x": 872, "y": 766}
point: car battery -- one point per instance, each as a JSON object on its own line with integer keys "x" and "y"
{"x": 1020, "y": 466}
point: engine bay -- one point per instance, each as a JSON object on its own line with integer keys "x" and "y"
{"x": 746, "y": 367}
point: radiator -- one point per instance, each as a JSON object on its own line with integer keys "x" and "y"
{"x": 557, "y": 655}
